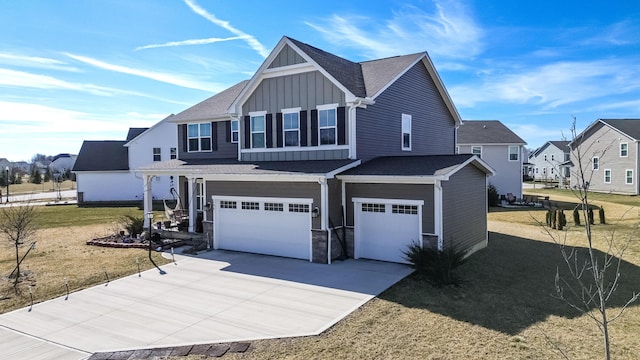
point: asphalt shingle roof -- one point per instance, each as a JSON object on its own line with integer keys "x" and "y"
{"x": 378, "y": 73}
{"x": 630, "y": 127}
{"x": 106, "y": 155}
{"x": 134, "y": 132}
{"x": 487, "y": 132}
{"x": 427, "y": 165}
{"x": 216, "y": 105}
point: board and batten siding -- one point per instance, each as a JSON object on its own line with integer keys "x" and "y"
{"x": 287, "y": 56}
{"x": 222, "y": 147}
{"x": 379, "y": 126}
{"x": 306, "y": 190}
{"x": 604, "y": 142}
{"x": 393, "y": 191}
{"x": 464, "y": 208}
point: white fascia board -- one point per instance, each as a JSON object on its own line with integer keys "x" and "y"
{"x": 390, "y": 179}
{"x": 479, "y": 163}
{"x": 359, "y": 200}
{"x": 398, "y": 76}
{"x": 287, "y": 70}
{"x": 492, "y": 144}
{"x": 214, "y": 118}
{"x": 332, "y": 174}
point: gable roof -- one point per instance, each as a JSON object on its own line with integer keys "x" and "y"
{"x": 630, "y": 127}
{"x": 213, "y": 107}
{"x": 377, "y": 74}
{"x": 102, "y": 155}
{"x": 487, "y": 132}
{"x": 148, "y": 130}
{"x": 134, "y": 132}
{"x": 560, "y": 144}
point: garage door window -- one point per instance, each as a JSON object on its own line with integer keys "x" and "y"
{"x": 228, "y": 204}
{"x": 273, "y": 207}
{"x": 379, "y": 208}
{"x": 299, "y": 208}
{"x": 250, "y": 205}
{"x": 404, "y": 209}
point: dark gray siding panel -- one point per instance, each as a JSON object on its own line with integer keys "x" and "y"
{"x": 415, "y": 94}
{"x": 297, "y": 155}
{"x": 299, "y": 90}
{"x": 225, "y": 149}
{"x": 464, "y": 199}
{"x": 287, "y": 56}
{"x": 268, "y": 189}
{"x": 393, "y": 191}
{"x": 335, "y": 202}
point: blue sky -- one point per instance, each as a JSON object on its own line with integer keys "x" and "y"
{"x": 72, "y": 70}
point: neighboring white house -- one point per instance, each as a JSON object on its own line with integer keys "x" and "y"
{"x": 499, "y": 147}
{"x": 104, "y": 169}
{"x": 551, "y": 162}
{"x": 62, "y": 162}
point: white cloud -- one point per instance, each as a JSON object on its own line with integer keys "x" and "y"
{"x": 34, "y": 62}
{"x": 189, "y": 42}
{"x": 251, "y": 40}
{"x": 172, "y": 79}
{"x": 447, "y": 31}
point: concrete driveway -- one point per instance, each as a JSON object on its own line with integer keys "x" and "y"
{"x": 218, "y": 296}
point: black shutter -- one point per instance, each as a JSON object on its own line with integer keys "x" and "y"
{"x": 269, "y": 131}
{"x": 185, "y": 145}
{"x": 279, "y": 126}
{"x": 247, "y": 132}
{"x": 214, "y": 136}
{"x": 314, "y": 127}
{"x": 227, "y": 126}
{"x": 342, "y": 129}
{"x": 303, "y": 128}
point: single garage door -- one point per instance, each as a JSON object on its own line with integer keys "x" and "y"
{"x": 385, "y": 227}
{"x": 272, "y": 226}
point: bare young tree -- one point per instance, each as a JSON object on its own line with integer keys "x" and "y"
{"x": 18, "y": 225}
{"x": 591, "y": 277}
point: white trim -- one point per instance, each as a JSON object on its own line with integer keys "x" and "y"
{"x": 517, "y": 152}
{"x": 327, "y": 107}
{"x": 284, "y": 130}
{"x": 287, "y": 70}
{"x": 199, "y": 137}
{"x": 626, "y": 176}
{"x": 385, "y": 201}
{"x": 332, "y": 174}
{"x": 620, "y": 149}
{"x": 257, "y": 114}
{"x": 389, "y": 179}
{"x": 593, "y": 167}
{"x": 604, "y": 177}
{"x": 402, "y": 132}
{"x": 298, "y": 148}
{"x": 237, "y": 121}
{"x": 476, "y": 146}
{"x": 306, "y": 201}
{"x": 438, "y": 222}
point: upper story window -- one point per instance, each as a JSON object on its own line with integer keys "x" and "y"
{"x": 327, "y": 124}
{"x": 199, "y": 137}
{"x": 514, "y": 153}
{"x": 624, "y": 149}
{"x": 173, "y": 153}
{"x": 157, "y": 154}
{"x": 607, "y": 176}
{"x": 258, "y": 130}
{"x": 545, "y": 157}
{"x": 553, "y": 157}
{"x": 235, "y": 130}
{"x": 567, "y": 156}
{"x": 406, "y": 132}
{"x": 628, "y": 177}
{"x": 595, "y": 163}
{"x": 291, "y": 126}
{"x": 477, "y": 150}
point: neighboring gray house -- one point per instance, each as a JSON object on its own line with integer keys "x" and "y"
{"x": 317, "y": 157}
{"x": 551, "y": 162}
{"x": 499, "y": 147}
{"x": 610, "y": 156}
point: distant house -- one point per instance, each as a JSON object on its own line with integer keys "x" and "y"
{"x": 500, "y": 147}
{"x": 4, "y": 163}
{"x": 62, "y": 163}
{"x": 609, "y": 156}
{"x": 105, "y": 169}
{"x": 551, "y": 162}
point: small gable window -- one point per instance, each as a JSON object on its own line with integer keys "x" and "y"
{"x": 406, "y": 132}
{"x": 595, "y": 163}
{"x": 291, "y": 127}
{"x": 199, "y": 137}
{"x": 327, "y": 125}
{"x": 477, "y": 150}
{"x": 514, "y": 153}
{"x": 607, "y": 176}
{"x": 624, "y": 149}
{"x": 235, "y": 130}
{"x": 258, "y": 131}
{"x": 157, "y": 154}
{"x": 173, "y": 154}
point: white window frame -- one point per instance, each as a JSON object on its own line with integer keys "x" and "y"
{"x": 545, "y": 157}
{"x": 553, "y": 157}
{"x": 290, "y": 111}
{"x": 199, "y": 138}
{"x": 628, "y": 174}
{"x": 607, "y": 173}
{"x": 477, "y": 147}
{"x": 626, "y": 149}
{"x": 235, "y": 131}
{"x": 595, "y": 163}
{"x": 173, "y": 153}
{"x": 328, "y": 107}
{"x": 157, "y": 152}
{"x": 200, "y": 195}
{"x": 406, "y": 130}
{"x": 517, "y": 152}
{"x": 258, "y": 114}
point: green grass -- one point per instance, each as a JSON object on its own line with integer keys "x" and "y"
{"x": 28, "y": 188}
{"x": 72, "y": 215}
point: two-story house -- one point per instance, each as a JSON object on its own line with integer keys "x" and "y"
{"x": 499, "y": 147}
{"x": 317, "y": 157}
{"x": 551, "y": 162}
{"x": 105, "y": 169}
{"x": 607, "y": 154}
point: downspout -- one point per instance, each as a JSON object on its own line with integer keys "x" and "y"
{"x": 438, "y": 211}
{"x": 352, "y": 128}
{"x": 324, "y": 214}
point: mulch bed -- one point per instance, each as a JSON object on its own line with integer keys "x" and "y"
{"x": 126, "y": 242}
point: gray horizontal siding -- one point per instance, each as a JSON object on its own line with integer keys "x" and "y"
{"x": 296, "y": 155}
{"x": 225, "y": 150}
{"x": 464, "y": 199}
{"x": 393, "y": 191}
{"x": 268, "y": 189}
{"x": 379, "y": 126}
{"x": 287, "y": 56}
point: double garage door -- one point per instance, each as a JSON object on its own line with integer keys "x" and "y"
{"x": 271, "y": 226}
{"x": 384, "y": 228}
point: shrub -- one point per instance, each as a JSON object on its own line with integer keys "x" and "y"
{"x": 601, "y": 214}
{"x": 492, "y": 195}
{"x": 434, "y": 265}
{"x": 576, "y": 217}
{"x": 133, "y": 224}
{"x": 590, "y": 216}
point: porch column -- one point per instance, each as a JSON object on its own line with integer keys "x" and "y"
{"x": 147, "y": 201}
{"x": 193, "y": 203}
